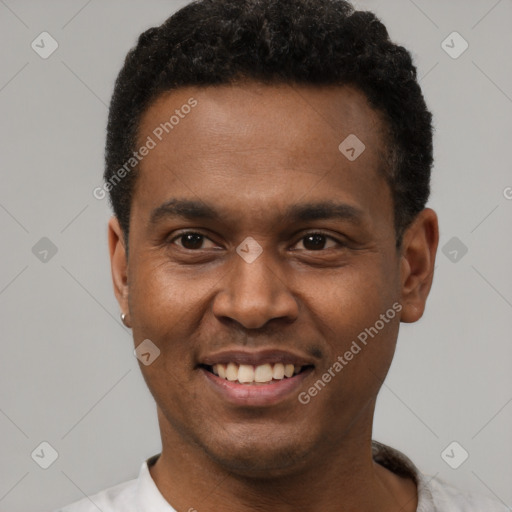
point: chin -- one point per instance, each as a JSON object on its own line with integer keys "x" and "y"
{"x": 259, "y": 454}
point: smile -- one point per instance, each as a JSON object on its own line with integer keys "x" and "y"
{"x": 262, "y": 378}
{"x": 255, "y": 374}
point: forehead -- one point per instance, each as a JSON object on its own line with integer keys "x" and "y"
{"x": 240, "y": 141}
{"x": 230, "y": 113}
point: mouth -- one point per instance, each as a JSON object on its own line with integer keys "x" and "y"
{"x": 255, "y": 379}
{"x": 255, "y": 374}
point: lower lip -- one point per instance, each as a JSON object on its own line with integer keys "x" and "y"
{"x": 256, "y": 394}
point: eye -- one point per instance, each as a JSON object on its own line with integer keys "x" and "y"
{"x": 191, "y": 240}
{"x": 317, "y": 241}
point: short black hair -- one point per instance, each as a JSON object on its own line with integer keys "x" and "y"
{"x": 303, "y": 42}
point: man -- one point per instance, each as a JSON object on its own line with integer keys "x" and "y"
{"x": 268, "y": 163}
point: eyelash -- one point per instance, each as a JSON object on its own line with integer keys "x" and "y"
{"x": 305, "y": 235}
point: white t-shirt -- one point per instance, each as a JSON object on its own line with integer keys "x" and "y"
{"x": 434, "y": 495}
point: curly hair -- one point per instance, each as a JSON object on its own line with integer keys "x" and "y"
{"x": 303, "y": 42}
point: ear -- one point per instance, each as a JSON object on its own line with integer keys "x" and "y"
{"x": 418, "y": 256}
{"x": 118, "y": 265}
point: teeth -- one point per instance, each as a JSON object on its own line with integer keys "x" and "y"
{"x": 247, "y": 373}
{"x": 288, "y": 370}
{"x": 232, "y": 372}
{"x": 221, "y": 369}
{"x": 263, "y": 373}
{"x": 278, "y": 372}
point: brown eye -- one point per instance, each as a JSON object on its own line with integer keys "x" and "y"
{"x": 191, "y": 240}
{"x": 317, "y": 241}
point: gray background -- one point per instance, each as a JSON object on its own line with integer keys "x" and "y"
{"x": 67, "y": 371}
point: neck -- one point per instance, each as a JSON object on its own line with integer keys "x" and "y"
{"x": 341, "y": 478}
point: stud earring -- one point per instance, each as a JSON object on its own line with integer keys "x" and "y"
{"x": 123, "y": 319}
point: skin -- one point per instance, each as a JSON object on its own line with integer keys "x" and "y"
{"x": 250, "y": 151}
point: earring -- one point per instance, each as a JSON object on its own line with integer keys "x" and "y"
{"x": 123, "y": 319}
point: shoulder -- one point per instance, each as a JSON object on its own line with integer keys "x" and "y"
{"x": 118, "y": 498}
{"x": 434, "y": 494}
{"x": 448, "y": 497}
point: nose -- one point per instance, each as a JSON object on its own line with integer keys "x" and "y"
{"x": 255, "y": 293}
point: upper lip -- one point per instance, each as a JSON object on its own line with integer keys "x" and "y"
{"x": 256, "y": 358}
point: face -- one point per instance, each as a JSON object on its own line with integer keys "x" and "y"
{"x": 256, "y": 247}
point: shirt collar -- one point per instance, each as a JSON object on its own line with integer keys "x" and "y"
{"x": 149, "y": 498}
{"x": 401, "y": 465}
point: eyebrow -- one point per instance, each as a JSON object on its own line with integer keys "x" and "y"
{"x": 184, "y": 208}
{"x": 199, "y": 210}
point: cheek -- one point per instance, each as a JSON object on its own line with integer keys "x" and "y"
{"x": 164, "y": 310}
{"x": 161, "y": 297}
{"x": 353, "y": 297}
{"x": 159, "y": 307}
{"x": 356, "y": 312}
